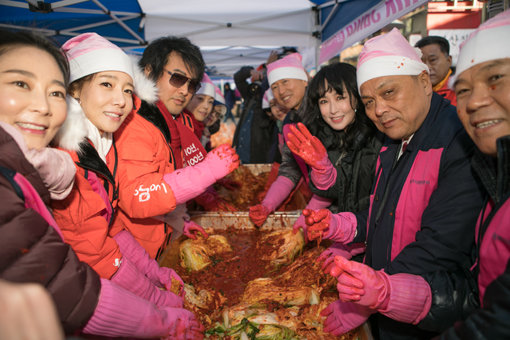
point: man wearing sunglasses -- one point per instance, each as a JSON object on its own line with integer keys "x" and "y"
{"x": 157, "y": 140}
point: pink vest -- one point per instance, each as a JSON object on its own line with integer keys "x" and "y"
{"x": 31, "y": 197}
{"x": 495, "y": 248}
{"x": 419, "y": 185}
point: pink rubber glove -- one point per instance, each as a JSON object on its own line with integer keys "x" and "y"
{"x": 342, "y": 317}
{"x": 120, "y": 313}
{"x": 280, "y": 189}
{"x": 301, "y": 142}
{"x": 315, "y": 203}
{"x": 338, "y": 249}
{"x": 322, "y": 224}
{"x": 300, "y": 224}
{"x": 130, "y": 278}
{"x": 402, "y": 297}
{"x": 136, "y": 254}
{"x": 258, "y": 214}
{"x": 191, "y": 230}
{"x": 189, "y": 182}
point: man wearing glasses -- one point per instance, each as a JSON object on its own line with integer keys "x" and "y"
{"x": 158, "y": 139}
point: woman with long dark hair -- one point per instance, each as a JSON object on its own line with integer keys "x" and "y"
{"x": 338, "y": 143}
{"x": 335, "y": 115}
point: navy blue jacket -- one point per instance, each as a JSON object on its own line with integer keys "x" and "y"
{"x": 423, "y": 208}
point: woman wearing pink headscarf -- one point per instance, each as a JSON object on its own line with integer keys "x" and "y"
{"x": 104, "y": 81}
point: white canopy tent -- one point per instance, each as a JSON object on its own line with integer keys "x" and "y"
{"x": 235, "y": 33}
{"x": 230, "y": 33}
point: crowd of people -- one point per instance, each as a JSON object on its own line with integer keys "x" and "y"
{"x": 406, "y": 160}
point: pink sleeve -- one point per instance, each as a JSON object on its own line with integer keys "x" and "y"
{"x": 325, "y": 177}
{"x": 278, "y": 192}
{"x": 410, "y": 298}
{"x": 318, "y": 202}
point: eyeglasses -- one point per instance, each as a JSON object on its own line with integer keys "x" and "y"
{"x": 220, "y": 110}
{"x": 178, "y": 80}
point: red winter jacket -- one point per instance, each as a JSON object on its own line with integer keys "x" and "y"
{"x": 446, "y": 92}
{"x": 145, "y": 156}
{"x": 85, "y": 215}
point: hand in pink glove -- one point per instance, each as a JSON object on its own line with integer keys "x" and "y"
{"x": 186, "y": 326}
{"x": 342, "y": 317}
{"x": 191, "y": 181}
{"x": 300, "y": 224}
{"x": 402, "y": 297}
{"x": 315, "y": 203}
{"x": 191, "y": 230}
{"x": 119, "y": 313}
{"x": 310, "y": 149}
{"x": 327, "y": 257}
{"x": 129, "y": 278}
{"x": 280, "y": 189}
{"x": 322, "y": 224}
{"x": 136, "y": 254}
{"x": 221, "y": 161}
{"x": 168, "y": 278}
{"x": 258, "y": 214}
{"x": 338, "y": 249}
{"x": 358, "y": 282}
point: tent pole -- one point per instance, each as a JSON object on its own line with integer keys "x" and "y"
{"x": 120, "y": 22}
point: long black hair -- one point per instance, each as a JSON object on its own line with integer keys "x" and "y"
{"x": 339, "y": 77}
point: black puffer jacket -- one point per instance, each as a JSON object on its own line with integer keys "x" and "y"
{"x": 355, "y": 175}
{"x": 454, "y": 297}
{"x": 32, "y": 251}
{"x": 262, "y": 126}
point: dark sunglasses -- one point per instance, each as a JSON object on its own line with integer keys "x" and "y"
{"x": 178, "y": 80}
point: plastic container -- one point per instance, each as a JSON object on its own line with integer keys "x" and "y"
{"x": 240, "y": 219}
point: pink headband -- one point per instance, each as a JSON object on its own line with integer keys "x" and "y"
{"x": 266, "y": 100}
{"x": 207, "y": 86}
{"x": 218, "y": 96}
{"x": 389, "y": 54}
{"x": 89, "y": 53}
{"x": 486, "y": 43}
{"x": 289, "y": 67}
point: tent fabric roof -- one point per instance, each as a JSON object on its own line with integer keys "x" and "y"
{"x": 232, "y": 23}
{"x": 234, "y": 33}
{"x": 120, "y": 21}
{"x": 230, "y": 33}
{"x": 342, "y": 12}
